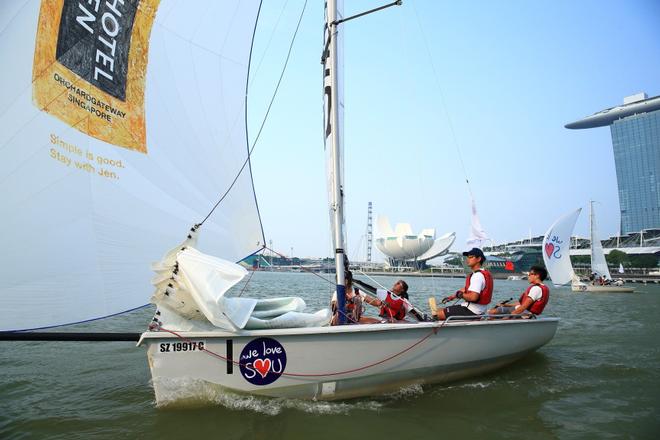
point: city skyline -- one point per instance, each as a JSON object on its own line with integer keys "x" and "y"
{"x": 425, "y": 81}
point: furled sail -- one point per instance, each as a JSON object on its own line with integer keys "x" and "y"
{"x": 121, "y": 125}
{"x": 598, "y": 263}
{"x": 556, "y": 246}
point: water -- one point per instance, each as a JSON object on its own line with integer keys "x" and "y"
{"x": 598, "y": 378}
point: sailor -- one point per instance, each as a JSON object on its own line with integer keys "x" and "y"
{"x": 393, "y": 304}
{"x": 532, "y": 301}
{"x": 354, "y": 299}
{"x": 476, "y": 293}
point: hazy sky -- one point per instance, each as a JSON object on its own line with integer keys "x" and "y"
{"x": 504, "y": 75}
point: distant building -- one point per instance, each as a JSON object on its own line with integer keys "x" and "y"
{"x": 635, "y": 128}
{"x": 645, "y": 242}
{"x": 405, "y": 249}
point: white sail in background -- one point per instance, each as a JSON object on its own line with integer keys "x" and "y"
{"x": 598, "y": 262}
{"x": 621, "y": 268}
{"x": 556, "y": 246}
{"x": 118, "y": 132}
{"x": 478, "y": 236}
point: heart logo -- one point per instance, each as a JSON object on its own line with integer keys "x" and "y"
{"x": 262, "y": 366}
{"x": 549, "y": 249}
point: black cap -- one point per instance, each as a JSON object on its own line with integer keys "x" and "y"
{"x": 475, "y": 252}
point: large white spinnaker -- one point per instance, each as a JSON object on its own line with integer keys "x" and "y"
{"x": 598, "y": 262}
{"x": 120, "y": 126}
{"x": 556, "y": 246}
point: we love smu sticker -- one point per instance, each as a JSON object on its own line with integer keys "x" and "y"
{"x": 262, "y": 361}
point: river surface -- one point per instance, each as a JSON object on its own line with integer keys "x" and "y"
{"x": 598, "y": 378}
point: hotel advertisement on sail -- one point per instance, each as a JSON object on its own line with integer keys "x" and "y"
{"x": 90, "y": 64}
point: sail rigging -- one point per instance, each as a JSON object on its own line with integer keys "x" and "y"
{"x": 92, "y": 201}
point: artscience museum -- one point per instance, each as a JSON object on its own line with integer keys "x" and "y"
{"x": 403, "y": 248}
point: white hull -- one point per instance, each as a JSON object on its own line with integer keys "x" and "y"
{"x": 370, "y": 359}
{"x": 591, "y": 288}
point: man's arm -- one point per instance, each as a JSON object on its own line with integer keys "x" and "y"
{"x": 371, "y": 300}
{"x": 365, "y": 286}
{"x": 526, "y": 304}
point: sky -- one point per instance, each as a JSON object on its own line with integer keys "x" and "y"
{"x": 435, "y": 91}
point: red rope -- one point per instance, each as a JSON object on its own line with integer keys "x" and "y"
{"x": 364, "y": 367}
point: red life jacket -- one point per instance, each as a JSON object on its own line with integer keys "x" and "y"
{"x": 538, "y": 305}
{"x": 486, "y": 294}
{"x": 393, "y": 307}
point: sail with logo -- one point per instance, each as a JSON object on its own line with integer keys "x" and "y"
{"x": 121, "y": 124}
{"x": 556, "y": 247}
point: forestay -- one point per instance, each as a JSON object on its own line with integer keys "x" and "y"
{"x": 120, "y": 126}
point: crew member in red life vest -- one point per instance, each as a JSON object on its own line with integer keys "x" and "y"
{"x": 532, "y": 301}
{"x": 393, "y": 304}
{"x": 477, "y": 292}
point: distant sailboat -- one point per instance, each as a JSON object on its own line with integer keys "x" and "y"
{"x": 556, "y": 246}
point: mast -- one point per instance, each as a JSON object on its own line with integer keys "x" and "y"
{"x": 335, "y": 157}
{"x": 333, "y": 138}
{"x": 369, "y": 234}
{"x": 591, "y": 232}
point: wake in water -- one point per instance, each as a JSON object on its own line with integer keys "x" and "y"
{"x": 189, "y": 393}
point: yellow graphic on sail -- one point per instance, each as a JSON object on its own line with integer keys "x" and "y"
{"x": 90, "y": 63}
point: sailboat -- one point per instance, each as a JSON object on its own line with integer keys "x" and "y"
{"x": 556, "y": 247}
{"x": 122, "y": 124}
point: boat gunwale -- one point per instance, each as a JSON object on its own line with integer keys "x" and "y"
{"x": 378, "y": 327}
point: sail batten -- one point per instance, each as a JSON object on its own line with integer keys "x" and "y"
{"x": 99, "y": 182}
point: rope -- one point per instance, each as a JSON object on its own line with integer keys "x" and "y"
{"x": 336, "y": 373}
{"x": 246, "y": 284}
{"x": 443, "y": 101}
{"x": 371, "y": 279}
{"x": 300, "y": 265}
{"x": 263, "y": 122}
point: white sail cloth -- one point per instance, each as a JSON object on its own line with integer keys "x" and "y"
{"x": 478, "y": 236}
{"x": 85, "y": 206}
{"x": 191, "y": 288}
{"x": 598, "y": 262}
{"x": 556, "y": 249}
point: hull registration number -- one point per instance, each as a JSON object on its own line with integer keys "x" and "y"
{"x": 175, "y": 347}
